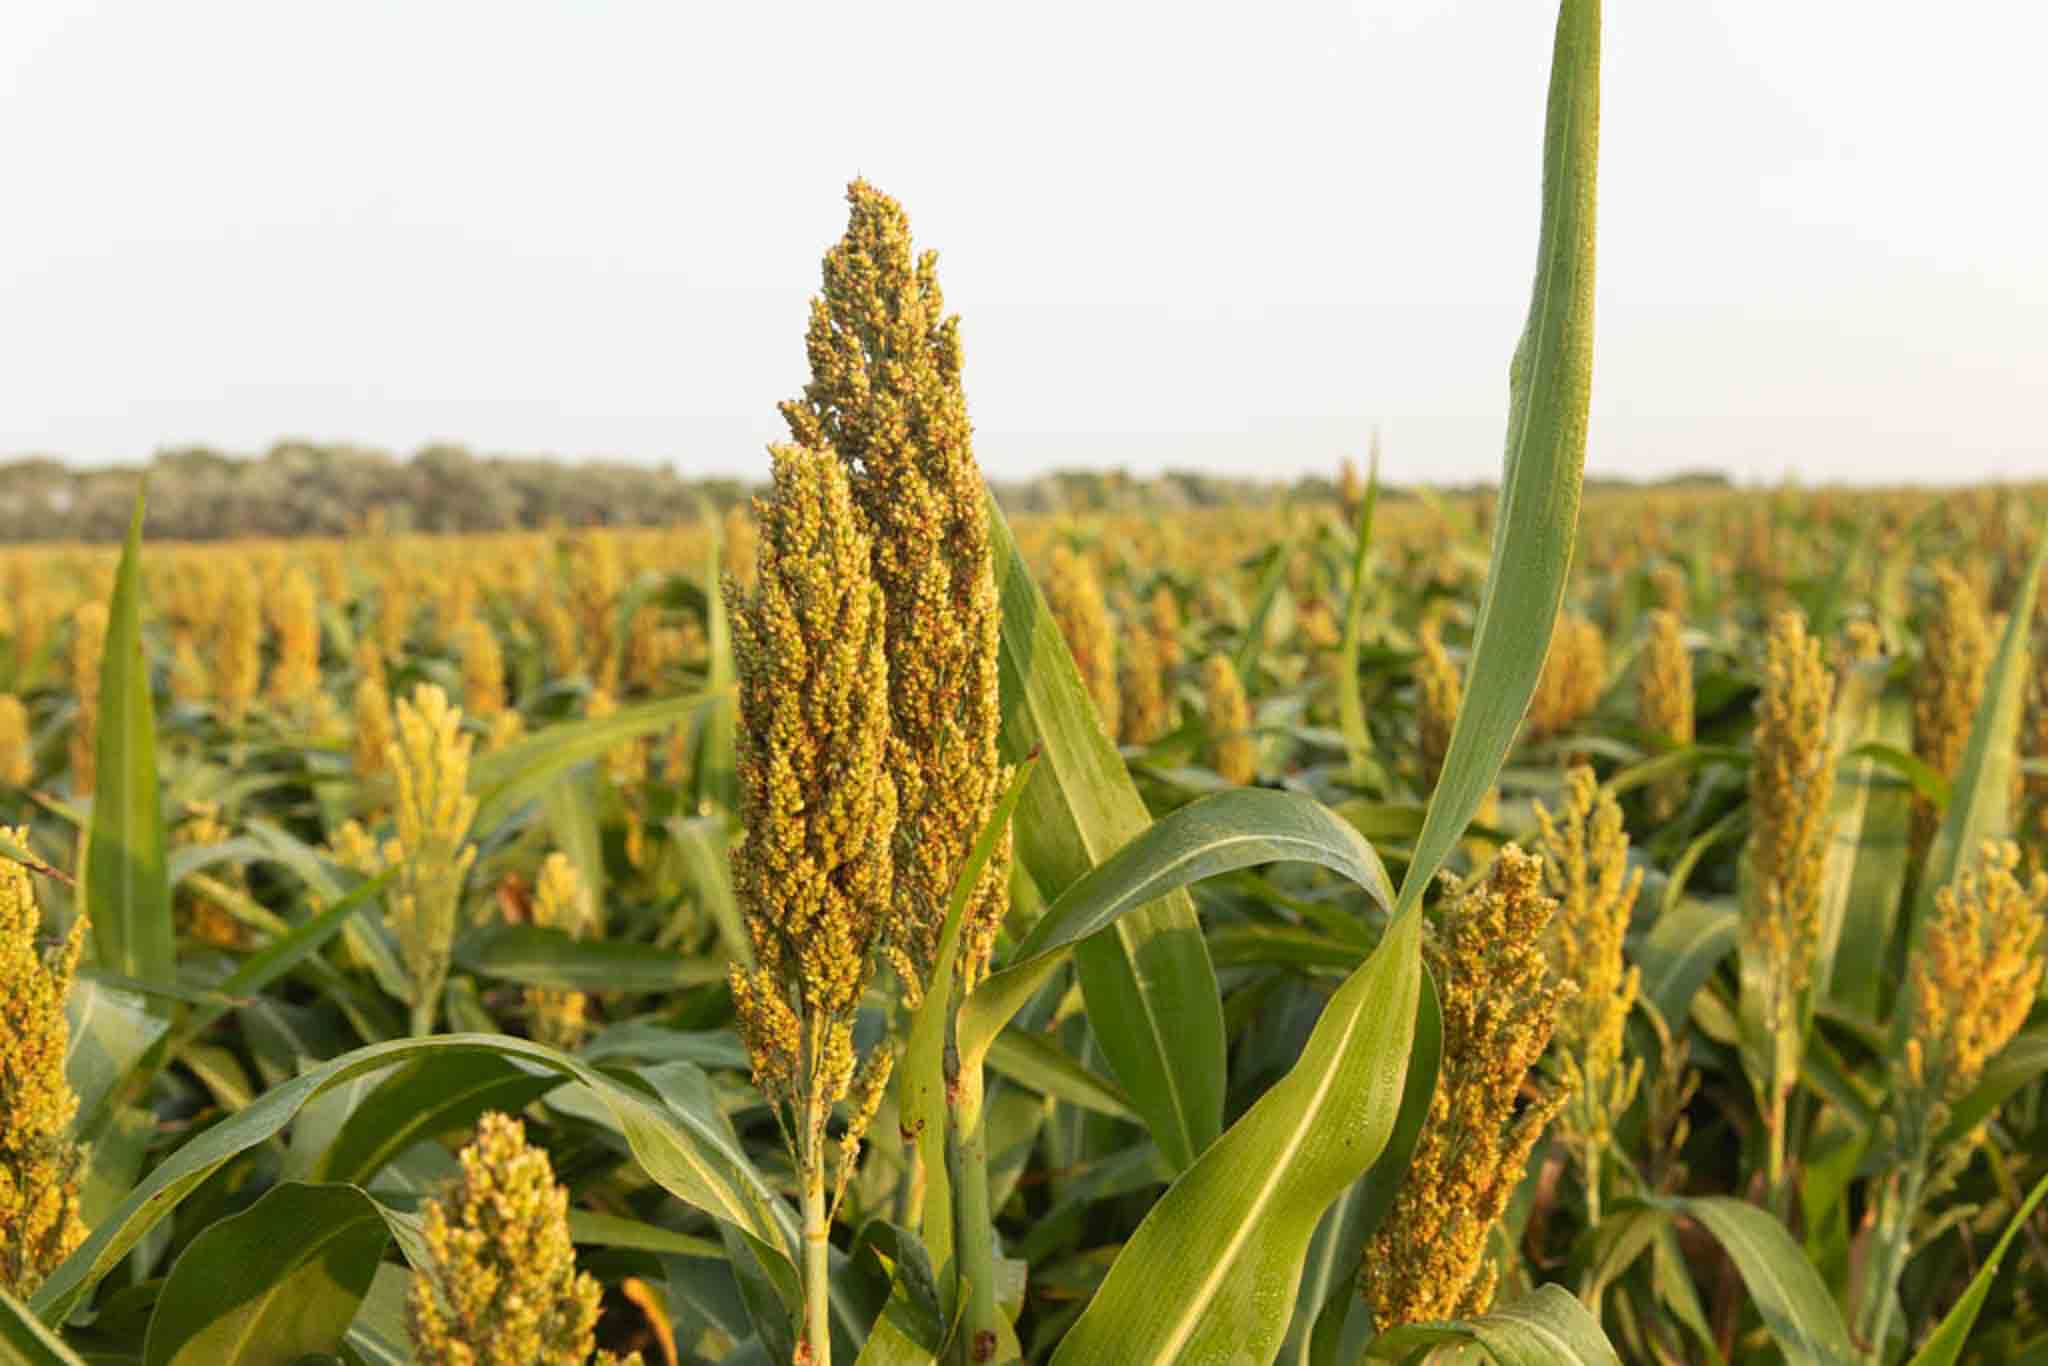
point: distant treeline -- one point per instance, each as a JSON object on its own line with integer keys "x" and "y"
{"x": 301, "y": 489}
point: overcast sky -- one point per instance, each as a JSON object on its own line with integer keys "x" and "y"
{"x": 1229, "y": 236}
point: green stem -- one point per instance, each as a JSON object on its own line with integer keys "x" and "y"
{"x": 817, "y": 1251}
{"x": 974, "y": 1249}
{"x": 1774, "y": 1194}
{"x": 1893, "y": 1245}
{"x": 816, "y": 1266}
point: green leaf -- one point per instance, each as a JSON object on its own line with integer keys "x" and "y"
{"x": 420, "y": 1100}
{"x": 1788, "y": 1293}
{"x": 1038, "y": 1064}
{"x": 1350, "y": 701}
{"x": 1945, "y": 1346}
{"x": 1236, "y": 829}
{"x": 1542, "y": 1329}
{"x": 1883, "y": 850}
{"x": 505, "y": 781}
{"x": 1270, "y": 583}
{"x": 1212, "y": 1272}
{"x": 1331, "y": 1289}
{"x": 923, "y": 1085}
{"x": 1152, "y": 995}
{"x": 593, "y": 1229}
{"x": 681, "y": 1152}
{"x": 1980, "y": 799}
{"x": 378, "y": 1336}
{"x": 1550, "y": 384}
{"x": 281, "y": 1280}
{"x": 571, "y": 806}
{"x": 109, "y": 1032}
{"x": 2016, "y": 1064}
{"x": 1858, "y": 716}
{"x": 542, "y": 956}
{"x": 274, "y": 960}
{"x": 127, "y": 889}
{"x": 25, "y": 1340}
{"x": 1681, "y": 951}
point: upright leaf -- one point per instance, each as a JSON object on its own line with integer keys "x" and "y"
{"x": 1151, "y": 991}
{"x": 1212, "y": 1272}
{"x": 128, "y": 893}
{"x": 1350, "y": 704}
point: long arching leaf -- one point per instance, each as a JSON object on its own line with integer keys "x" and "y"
{"x": 684, "y": 1155}
{"x": 1212, "y": 1272}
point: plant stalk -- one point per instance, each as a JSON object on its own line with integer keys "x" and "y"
{"x": 817, "y": 1233}
{"x": 974, "y": 1249}
{"x": 1888, "y": 1262}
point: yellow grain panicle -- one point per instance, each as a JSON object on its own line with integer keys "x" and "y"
{"x": 88, "y": 653}
{"x": 1955, "y": 658}
{"x": 1439, "y": 691}
{"x": 503, "y": 1288}
{"x": 1143, "y": 699}
{"x": 17, "y": 743}
{"x": 1975, "y": 976}
{"x": 814, "y": 872}
{"x": 1163, "y": 615}
{"x": 1574, "y": 672}
{"x": 1232, "y": 752}
{"x": 885, "y": 393}
{"x": 39, "y": 1164}
{"x": 1585, "y": 867}
{"x": 559, "y": 1018}
{"x": 483, "y": 671}
{"x": 295, "y": 620}
{"x": 1074, "y": 592}
{"x": 1500, "y": 1002}
{"x": 430, "y": 760}
{"x": 1664, "y": 702}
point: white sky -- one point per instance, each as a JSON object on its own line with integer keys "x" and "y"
{"x": 1228, "y": 236}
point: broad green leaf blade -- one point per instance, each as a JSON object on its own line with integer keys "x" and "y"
{"x": 505, "y": 781}
{"x": 542, "y": 956}
{"x": 1547, "y": 1328}
{"x": 1038, "y": 1064}
{"x": 109, "y": 1031}
{"x": 128, "y": 892}
{"x": 1858, "y": 716}
{"x": 1350, "y": 702}
{"x": 1788, "y": 1293}
{"x": 1681, "y": 951}
{"x": 682, "y": 1153}
{"x": 593, "y": 1229}
{"x": 1212, "y": 1272}
{"x": 1870, "y": 918}
{"x": 421, "y": 1100}
{"x": 1330, "y": 1288}
{"x": 571, "y": 806}
{"x": 1236, "y": 829}
{"x": 281, "y": 1280}
{"x": 26, "y": 1341}
{"x": 1550, "y": 384}
{"x": 1980, "y": 799}
{"x": 1945, "y": 1346}
{"x": 1151, "y": 991}
{"x": 378, "y": 1335}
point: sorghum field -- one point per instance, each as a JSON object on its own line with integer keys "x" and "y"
{"x": 1385, "y": 926}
